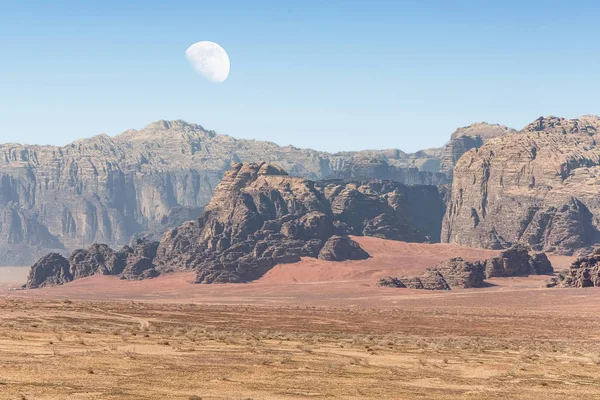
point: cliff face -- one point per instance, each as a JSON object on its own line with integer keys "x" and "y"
{"x": 539, "y": 187}
{"x": 141, "y": 183}
{"x": 470, "y": 137}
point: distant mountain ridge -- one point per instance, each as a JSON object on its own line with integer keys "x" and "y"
{"x": 109, "y": 189}
{"x": 143, "y": 182}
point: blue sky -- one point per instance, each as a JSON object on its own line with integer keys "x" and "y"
{"x": 329, "y": 74}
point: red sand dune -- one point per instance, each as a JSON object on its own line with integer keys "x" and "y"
{"x": 388, "y": 258}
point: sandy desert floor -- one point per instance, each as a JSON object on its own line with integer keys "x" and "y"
{"x": 307, "y": 330}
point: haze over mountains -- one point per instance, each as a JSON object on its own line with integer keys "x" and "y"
{"x": 142, "y": 183}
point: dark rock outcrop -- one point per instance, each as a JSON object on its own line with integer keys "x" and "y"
{"x": 342, "y": 248}
{"x": 583, "y": 272}
{"x": 259, "y": 217}
{"x": 431, "y": 279}
{"x": 52, "y": 269}
{"x": 538, "y": 187}
{"x": 99, "y": 259}
{"x": 450, "y": 274}
{"x": 139, "y": 260}
{"x": 458, "y": 273}
{"x": 516, "y": 261}
{"x": 390, "y": 281}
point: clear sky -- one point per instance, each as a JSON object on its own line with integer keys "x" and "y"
{"x": 326, "y": 74}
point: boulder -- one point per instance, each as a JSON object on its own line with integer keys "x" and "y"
{"x": 459, "y": 273}
{"x": 52, "y": 269}
{"x": 516, "y": 261}
{"x": 342, "y": 248}
{"x": 390, "y": 281}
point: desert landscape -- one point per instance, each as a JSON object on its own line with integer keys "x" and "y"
{"x": 267, "y": 200}
{"x": 313, "y": 329}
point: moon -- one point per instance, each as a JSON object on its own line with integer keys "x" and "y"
{"x": 210, "y": 60}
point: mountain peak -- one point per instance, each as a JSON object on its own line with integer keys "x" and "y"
{"x": 165, "y": 128}
{"x": 586, "y": 124}
{"x": 483, "y": 130}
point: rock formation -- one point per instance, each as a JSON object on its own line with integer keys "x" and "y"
{"x": 259, "y": 217}
{"x": 516, "y": 261}
{"x": 467, "y": 138}
{"x": 584, "y": 272}
{"x": 142, "y": 183}
{"x": 458, "y": 273}
{"x": 538, "y": 187}
{"x": 342, "y": 248}
{"x": 52, "y": 269}
{"x": 99, "y": 259}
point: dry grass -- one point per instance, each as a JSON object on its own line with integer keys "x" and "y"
{"x": 93, "y": 350}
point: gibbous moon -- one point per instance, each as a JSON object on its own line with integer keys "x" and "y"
{"x": 210, "y": 60}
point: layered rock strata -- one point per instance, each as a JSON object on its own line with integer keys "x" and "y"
{"x": 539, "y": 187}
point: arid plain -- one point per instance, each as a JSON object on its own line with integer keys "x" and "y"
{"x": 313, "y": 329}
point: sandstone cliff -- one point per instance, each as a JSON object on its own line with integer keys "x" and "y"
{"x": 142, "y": 183}
{"x": 539, "y": 187}
{"x": 467, "y": 138}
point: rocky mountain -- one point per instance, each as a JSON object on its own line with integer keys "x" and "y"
{"x": 470, "y": 137}
{"x": 540, "y": 187}
{"x": 142, "y": 183}
{"x": 258, "y": 217}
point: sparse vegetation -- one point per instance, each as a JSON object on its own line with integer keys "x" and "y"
{"x": 293, "y": 352}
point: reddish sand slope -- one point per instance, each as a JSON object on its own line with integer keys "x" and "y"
{"x": 309, "y": 281}
{"x": 388, "y": 258}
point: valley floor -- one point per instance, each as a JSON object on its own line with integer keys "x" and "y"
{"x": 306, "y": 330}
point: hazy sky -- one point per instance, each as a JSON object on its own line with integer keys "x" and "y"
{"x": 326, "y": 74}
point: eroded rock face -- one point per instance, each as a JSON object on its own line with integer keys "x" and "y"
{"x": 342, "y": 248}
{"x": 99, "y": 259}
{"x": 52, "y": 269}
{"x": 458, "y": 273}
{"x": 538, "y": 187}
{"x": 450, "y": 274}
{"x": 584, "y": 272}
{"x": 142, "y": 183}
{"x": 467, "y": 138}
{"x": 260, "y": 216}
{"x": 516, "y": 261}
